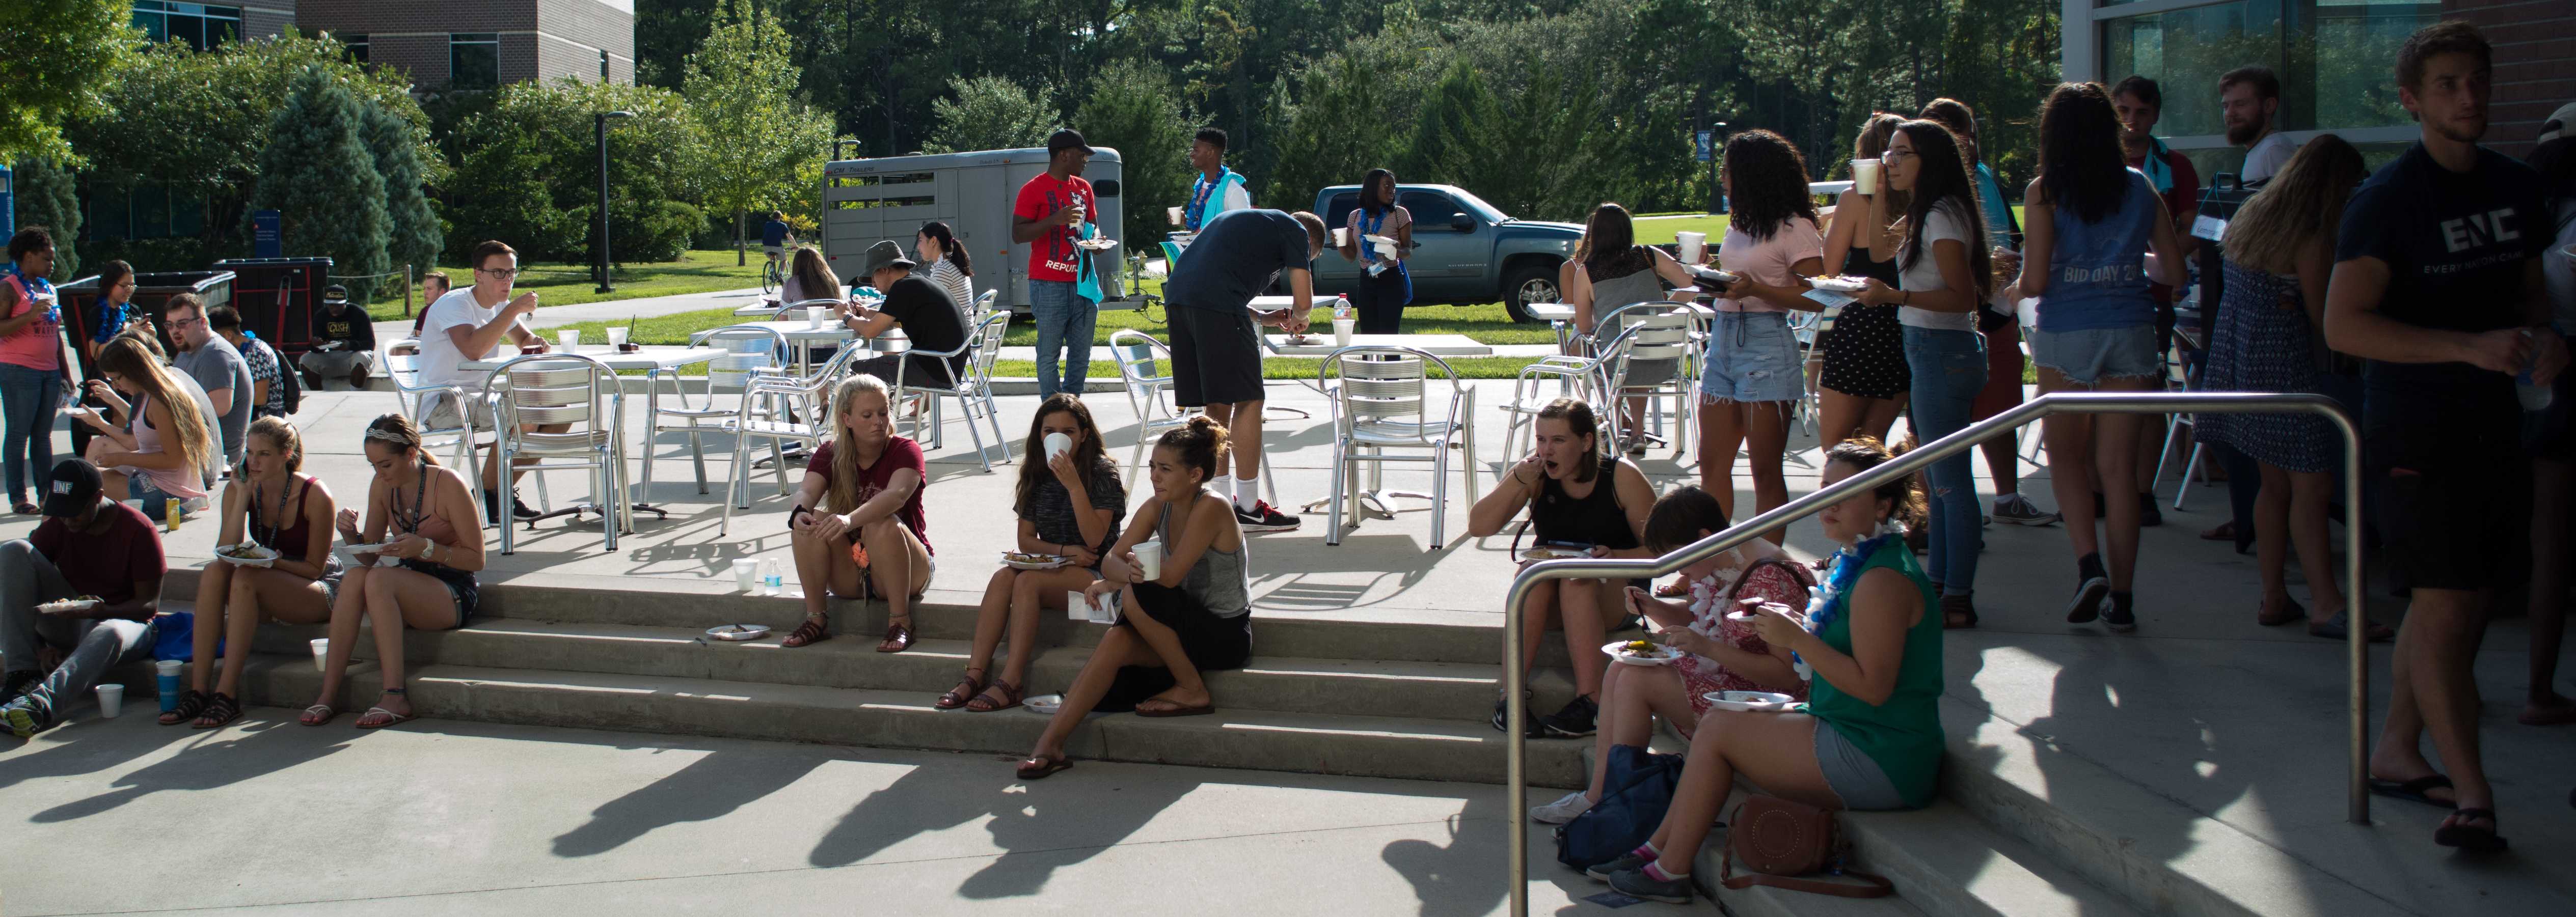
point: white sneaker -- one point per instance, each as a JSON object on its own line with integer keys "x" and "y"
{"x": 1561, "y": 811}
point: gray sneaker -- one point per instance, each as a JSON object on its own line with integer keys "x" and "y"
{"x": 1635, "y": 883}
{"x": 1627, "y": 862}
{"x": 1561, "y": 811}
{"x": 2018, "y": 510}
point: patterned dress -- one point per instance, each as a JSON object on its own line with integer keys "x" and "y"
{"x": 1700, "y": 675}
{"x": 2263, "y": 344}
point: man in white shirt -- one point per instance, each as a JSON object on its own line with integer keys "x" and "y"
{"x": 2249, "y": 98}
{"x": 469, "y": 323}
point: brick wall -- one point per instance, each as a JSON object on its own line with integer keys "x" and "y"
{"x": 2535, "y": 63}
{"x": 268, "y": 18}
{"x": 424, "y": 57}
{"x": 372, "y": 16}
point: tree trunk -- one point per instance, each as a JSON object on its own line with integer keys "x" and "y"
{"x": 739, "y": 258}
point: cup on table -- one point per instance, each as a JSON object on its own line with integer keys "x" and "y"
{"x": 568, "y": 338}
{"x": 321, "y": 652}
{"x": 1694, "y": 246}
{"x": 1342, "y": 331}
{"x": 111, "y": 700}
{"x": 1149, "y": 558}
{"x": 1865, "y": 176}
{"x": 746, "y": 574}
{"x": 616, "y": 336}
{"x": 1174, "y": 213}
{"x": 165, "y": 679}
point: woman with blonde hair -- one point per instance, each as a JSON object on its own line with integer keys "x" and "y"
{"x": 858, "y": 527}
{"x": 170, "y": 452}
{"x": 273, "y": 505}
{"x": 2270, "y": 337}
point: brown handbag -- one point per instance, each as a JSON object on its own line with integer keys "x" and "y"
{"x": 1779, "y": 840}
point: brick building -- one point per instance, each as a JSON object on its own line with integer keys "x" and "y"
{"x": 449, "y": 44}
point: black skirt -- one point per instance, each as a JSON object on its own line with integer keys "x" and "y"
{"x": 1213, "y": 644}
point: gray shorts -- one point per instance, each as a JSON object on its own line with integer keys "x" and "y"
{"x": 2089, "y": 356}
{"x": 336, "y": 364}
{"x": 1852, "y": 775}
{"x": 441, "y": 413}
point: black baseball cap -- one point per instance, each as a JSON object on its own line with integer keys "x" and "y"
{"x": 1067, "y": 139}
{"x": 335, "y": 293}
{"x": 71, "y": 489}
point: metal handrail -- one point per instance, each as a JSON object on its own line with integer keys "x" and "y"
{"x": 2356, "y": 645}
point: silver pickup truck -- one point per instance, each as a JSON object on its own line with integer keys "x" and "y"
{"x": 1465, "y": 250}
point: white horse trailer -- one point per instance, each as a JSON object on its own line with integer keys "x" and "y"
{"x": 867, "y": 200}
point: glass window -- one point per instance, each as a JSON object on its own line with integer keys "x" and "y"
{"x": 1431, "y": 210}
{"x": 2356, "y": 85}
{"x": 473, "y": 60}
{"x": 2185, "y": 51}
{"x": 356, "y": 46}
{"x": 200, "y": 25}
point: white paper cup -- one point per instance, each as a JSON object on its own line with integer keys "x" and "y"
{"x": 1174, "y": 213}
{"x": 1694, "y": 246}
{"x": 1342, "y": 331}
{"x": 568, "y": 339}
{"x": 1056, "y": 444}
{"x": 111, "y": 700}
{"x": 814, "y": 318}
{"x": 616, "y": 336}
{"x": 1865, "y": 176}
{"x": 167, "y": 667}
{"x": 1341, "y": 237}
{"x": 321, "y": 652}
{"x": 746, "y": 574}
{"x": 1149, "y": 558}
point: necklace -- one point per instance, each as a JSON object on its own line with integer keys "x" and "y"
{"x": 1827, "y": 600}
{"x": 265, "y": 522}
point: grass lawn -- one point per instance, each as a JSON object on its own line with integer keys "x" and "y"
{"x": 569, "y": 284}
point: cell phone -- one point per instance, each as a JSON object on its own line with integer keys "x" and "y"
{"x": 1567, "y": 545}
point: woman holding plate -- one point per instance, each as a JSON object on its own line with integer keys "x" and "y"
{"x": 291, "y": 576}
{"x": 1070, "y": 502}
{"x": 1385, "y": 286}
{"x": 422, "y": 516}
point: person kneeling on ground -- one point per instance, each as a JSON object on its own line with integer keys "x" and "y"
{"x": 858, "y": 527}
{"x": 1869, "y": 737}
{"x": 1069, "y": 502}
{"x": 1720, "y": 653}
{"x": 87, "y": 547}
{"x": 1194, "y": 617}
{"x": 1578, "y": 504}
{"x": 273, "y": 506}
{"x": 437, "y": 544}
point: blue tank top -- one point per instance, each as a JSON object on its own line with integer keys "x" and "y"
{"x": 2098, "y": 275}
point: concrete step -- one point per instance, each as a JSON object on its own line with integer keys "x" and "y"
{"x": 1267, "y": 740}
{"x": 1947, "y": 862}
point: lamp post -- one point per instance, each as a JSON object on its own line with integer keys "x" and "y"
{"x": 600, "y": 121}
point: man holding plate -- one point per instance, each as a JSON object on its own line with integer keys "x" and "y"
{"x": 88, "y": 580}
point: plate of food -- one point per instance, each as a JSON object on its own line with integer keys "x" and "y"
{"x": 1097, "y": 244}
{"x": 735, "y": 633}
{"x": 1641, "y": 652}
{"x": 1839, "y": 284}
{"x": 1024, "y": 561}
{"x": 247, "y": 554}
{"x": 1554, "y": 552}
{"x": 1751, "y": 701}
{"x": 82, "y": 603}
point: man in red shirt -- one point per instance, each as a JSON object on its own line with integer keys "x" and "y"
{"x": 1052, "y": 212}
{"x": 2139, "y": 104}
{"x": 87, "y": 548}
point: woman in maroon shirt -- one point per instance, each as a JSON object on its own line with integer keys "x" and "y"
{"x": 859, "y": 512}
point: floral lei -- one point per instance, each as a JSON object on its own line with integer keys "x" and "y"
{"x": 1825, "y": 600}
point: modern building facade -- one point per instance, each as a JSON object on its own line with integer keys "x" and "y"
{"x": 443, "y": 45}
{"x": 2335, "y": 58}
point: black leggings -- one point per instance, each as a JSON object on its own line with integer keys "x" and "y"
{"x": 1381, "y": 301}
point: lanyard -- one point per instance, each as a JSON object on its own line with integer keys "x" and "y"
{"x": 1192, "y": 218}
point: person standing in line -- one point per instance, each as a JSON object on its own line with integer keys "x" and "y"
{"x": 1864, "y": 383}
{"x": 2553, "y": 464}
{"x": 1052, "y": 213}
{"x": 267, "y": 382}
{"x": 2004, "y": 360}
{"x": 1750, "y": 391}
{"x": 2249, "y": 98}
{"x": 2139, "y": 103}
{"x": 433, "y": 285}
{"x": 469, "y": 323}
{"x": 31, "y": 363}
{"x": 2439, "y": 283}
{"x": 1217, "y": 189}
{"x": 348, "y": 346}
{"x": 950, "y": 269}
{"x": 1945, "y": 268}
{"x": 216, "y": 366}
{"x": 1385, "y": 286}
{"x": 2092, "y": 219}
{"x": 1216, "y": 351}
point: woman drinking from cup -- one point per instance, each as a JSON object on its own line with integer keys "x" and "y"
{"x": 1869, "y": 737}
{"x": 287, "y": 513}
{"x": 171, "y": 453}
{"x": 950, "y": 269}
{"x": 31, "y": 366}
{"x": 1069, "y": 502}
{"x": 1581, "y": 503}
{"x": 1176, "y": 581}
{"x": 1865, "y": 377}
{"x": 1385, "y": 285}
{"x": 858, "y": 527}
{"x": 1755, "y": 373}
{"x": 422, "y": 517}
{"x": 1610, "y": 270}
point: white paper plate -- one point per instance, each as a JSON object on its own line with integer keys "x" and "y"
{"x": 1664, "y": 654}
{"x": 1014, "y": 561}
{"x": 735, "y": 633}
{"x": 1043, "y": 704}
{"x": 1553, "y": 554}
{"x": 260, "y": 556}
{"x": 84, "y": 604}
{"x": 1097, "y": 244}
{"x": 1838, "y": 284}
{"x": 1749, "y": 701}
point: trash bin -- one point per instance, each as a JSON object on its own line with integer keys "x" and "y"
{"x": 277, "y": 296}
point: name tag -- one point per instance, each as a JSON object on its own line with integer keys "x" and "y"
{"x": 1829, "y": 299}
{"x": 2208, "y": 227}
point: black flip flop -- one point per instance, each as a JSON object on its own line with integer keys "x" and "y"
{"x": 1200, "y": 710}
{"x": 2475, "y": 840}
{"x": 1044, "y": 770}
{"x": 2414, "y": 790}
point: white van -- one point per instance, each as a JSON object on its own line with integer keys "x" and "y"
{"x": 868, "y": 200}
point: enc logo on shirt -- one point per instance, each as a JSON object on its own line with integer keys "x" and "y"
{"x": 2478, "y": 230}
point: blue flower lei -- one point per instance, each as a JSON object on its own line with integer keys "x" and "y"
{"x": 1825, "y": 601}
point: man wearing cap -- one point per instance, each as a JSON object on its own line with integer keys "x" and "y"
{"x": 87, "y": 547}
{"x": 347, "y": 345}
{"x": 1054, "y": 210}
{"x": 932, "y": 321}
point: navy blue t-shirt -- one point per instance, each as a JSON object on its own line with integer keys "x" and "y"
{"x": 1236, "y": 257}
{"x": 773, "y": 233}
{"x": 2456, "y": 245}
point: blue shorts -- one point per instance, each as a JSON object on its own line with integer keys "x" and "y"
{"x": 1752, "y": 357}
{"x": 2089, "y": 356}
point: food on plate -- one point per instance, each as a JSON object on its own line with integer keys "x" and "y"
{"x": 248, "y": 550}
{"x": 1641, "y": 648}
{"x": 1024, "y": 558}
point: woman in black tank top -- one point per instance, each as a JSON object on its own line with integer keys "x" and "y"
{"x": 1580, "y": 502}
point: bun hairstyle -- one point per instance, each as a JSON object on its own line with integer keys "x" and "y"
{"x": 1580, "y": 422}
{"x": 397, "y": 432}
{"x": 284, "y": 436}
{"x": 1680, "y": 516}
{"x": 1200, "y": 444}
{"x": 1905, "y": 500}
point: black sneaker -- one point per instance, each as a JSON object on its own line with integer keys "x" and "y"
{"x": 1259, "y": 517}
{"x": 1574, "y": 721}
{"x": 2092, "y": 584}
{"x": 519, "y": 508}
{"x": 18, "y": 683}
{"x": 2148, "y": 515}
{"x": 1528, "y": 722}
{"x": 2120, "y": 619}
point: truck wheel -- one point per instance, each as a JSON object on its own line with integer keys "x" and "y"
{"x": 1528, "y": 284}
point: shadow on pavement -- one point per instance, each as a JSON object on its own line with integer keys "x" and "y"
{"x": 237, "y": 754}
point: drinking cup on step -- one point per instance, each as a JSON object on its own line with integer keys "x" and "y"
{"x": 321, "y": 652}
{"x": 746, "y": 575}
{"x": 165, "y": 679}
{"x": 111, "y": 700}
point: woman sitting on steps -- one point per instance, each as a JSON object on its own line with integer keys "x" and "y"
{"x": 858, "y": 528}
{"x": 1069, "y": 503}
{"x": 285, "y": 511}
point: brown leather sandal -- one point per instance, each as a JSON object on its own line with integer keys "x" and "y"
{"x": 898, "y": 636}
{"x": 965, "y": 691}
{"x": 984, "y": 703}
{"x": 190, "y": 704}
{"x": 812, "y": 631}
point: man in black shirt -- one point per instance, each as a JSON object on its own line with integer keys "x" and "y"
{"x": 2437, "y": 283}
{"x": 347, "y": 342}
{"x": 1216, "y": 351}
{"x": 924, "y": 312}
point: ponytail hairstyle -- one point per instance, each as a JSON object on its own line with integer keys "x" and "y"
{"x": 1580, "y": 421}
{"x": 128, "y": 357}
{"x": 1088, "y": 455}
{"x": 1200, "y": 444}
{"x": 949, "y": 250}
{"x": 843, "y": 495}
{"x": 398, "y": 433}
{"x": 1904, "y": 500}
{"x": 284, "y": 436}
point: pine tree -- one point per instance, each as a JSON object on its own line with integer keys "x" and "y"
{"x": 317, "y": 174}
{"x": 416, "y": 237}
{"x": 48, "y": 198}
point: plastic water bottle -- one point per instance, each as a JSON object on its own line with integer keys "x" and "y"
{"x": 2534, "y": 396}
{"x": 770, "y": 582}
{"x": 1341, "y": 306}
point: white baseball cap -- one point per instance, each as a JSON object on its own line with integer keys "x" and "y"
{"x": 2561, "y": 123}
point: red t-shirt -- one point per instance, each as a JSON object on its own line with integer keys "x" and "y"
{"x": 900, "y": 453}
{"x": 2183, "y": 197}
{"x": 1051, "y": 256}
{"x": 108, "y": 564}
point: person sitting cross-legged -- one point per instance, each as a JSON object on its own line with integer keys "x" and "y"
{"x": 858, "y": 528}
{"x": 87, "y": 547}
{"x": 1070, "y": 502}
{"x": 272, "y": 505}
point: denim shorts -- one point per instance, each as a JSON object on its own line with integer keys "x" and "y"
{"x": 1850, "y": 773}
{"x": 1752, "y": 357}
{"x": 2089, "y": 356}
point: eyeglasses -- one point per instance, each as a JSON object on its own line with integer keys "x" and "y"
{"x": 1893, "y": 155}
{"x": 504, "y": 273}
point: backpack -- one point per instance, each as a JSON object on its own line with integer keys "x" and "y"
{"x": 1634, "y": 794}
{"x": 289, "y": 378}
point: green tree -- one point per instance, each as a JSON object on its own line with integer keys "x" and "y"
{"x": 317, "y": 174}
{"x": 1134, "y": 110}
{"x": 761, "y": 139}
{"x": 990, "y": 113}
{"x": 529, "y": 174}
{"x": 56, "y": 59}
{"x": 1339, "y": 130}
{"x": 415, "y": 234}
{"x": 1456, "y": 133}
{"x": 47, "y": 197}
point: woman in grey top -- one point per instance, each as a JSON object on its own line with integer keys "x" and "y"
{"x": 1069, "y": 503}
{"x": 1194, "y": 617}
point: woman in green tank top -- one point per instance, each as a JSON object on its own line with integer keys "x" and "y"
{"x": 1870, "y": 736}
